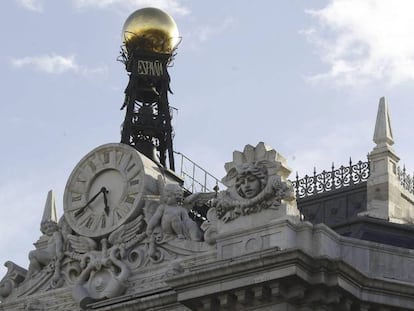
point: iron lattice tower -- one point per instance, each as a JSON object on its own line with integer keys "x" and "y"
{"x": 147, "y": 125}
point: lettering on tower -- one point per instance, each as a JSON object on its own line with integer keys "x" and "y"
{"x": 150, "y": 68}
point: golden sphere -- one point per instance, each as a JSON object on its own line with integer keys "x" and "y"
{"x": 152, "y": 30}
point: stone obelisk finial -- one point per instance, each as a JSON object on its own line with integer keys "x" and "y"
{"x": 383, "y": 186}
{"x": 383, "y": 133}
{"x": 49, "y": 213}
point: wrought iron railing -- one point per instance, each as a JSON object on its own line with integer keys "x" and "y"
{"x": 406, "y": 180}
{"x": 196, "y": 179}
{"x": 326, "y": 181}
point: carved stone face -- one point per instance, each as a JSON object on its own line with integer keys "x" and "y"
{"x": 251, "y": 180}
{"x": 173, "y": 194}
{"x": 49, "y": 228}
{"x": 248, "y": 186}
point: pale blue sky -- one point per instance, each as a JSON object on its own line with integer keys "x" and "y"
{"x": 303, "y": 76}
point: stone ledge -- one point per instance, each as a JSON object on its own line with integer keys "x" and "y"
{"x": 231, "y": 275}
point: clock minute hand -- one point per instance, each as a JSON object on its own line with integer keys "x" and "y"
{"x": 79, "y": 211}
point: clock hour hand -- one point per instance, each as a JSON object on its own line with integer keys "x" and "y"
{"x": 106, "y": 201}
{"x": 79, "y": 211}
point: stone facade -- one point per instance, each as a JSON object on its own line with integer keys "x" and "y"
{"x": 126, "y": 241}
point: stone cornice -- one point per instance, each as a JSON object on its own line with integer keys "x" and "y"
{"x": 290, "y": 267}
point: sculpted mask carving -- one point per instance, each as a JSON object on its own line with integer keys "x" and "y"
{"x": 256, "y": 180}
{"x": 14, "y": 277}
{"x": 251, "y": 180}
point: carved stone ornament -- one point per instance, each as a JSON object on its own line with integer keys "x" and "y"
{"x": 171, "y": 216}
{"x": 104, "y": 272}
{"x": 162, "y": 234}
{"x": 256, "y": 181}
{"x": 126, "y": 227}
{"x": 34, "y": 305}
{"x": 14, "y": 277}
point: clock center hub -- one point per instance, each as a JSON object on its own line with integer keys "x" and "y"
{"x": 112, "y": 184}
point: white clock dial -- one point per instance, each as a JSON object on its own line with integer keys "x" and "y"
{"x": 106, "y": 189}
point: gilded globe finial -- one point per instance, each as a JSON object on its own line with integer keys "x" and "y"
{"x": 152, "y": 30}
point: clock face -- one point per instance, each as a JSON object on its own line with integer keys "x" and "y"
{"x": 104, "y": 190}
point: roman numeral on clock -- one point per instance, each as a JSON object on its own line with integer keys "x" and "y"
{"x": 134, "y": 182}
{"x": 130, "y": 199}
{"x": 76, "y": 198}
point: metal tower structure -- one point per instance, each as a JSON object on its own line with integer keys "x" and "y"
{"x": 150, "y": 39}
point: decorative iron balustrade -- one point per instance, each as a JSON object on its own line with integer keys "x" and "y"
{"x": 326, "y": 181}
{"x": 406, "y": 180}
